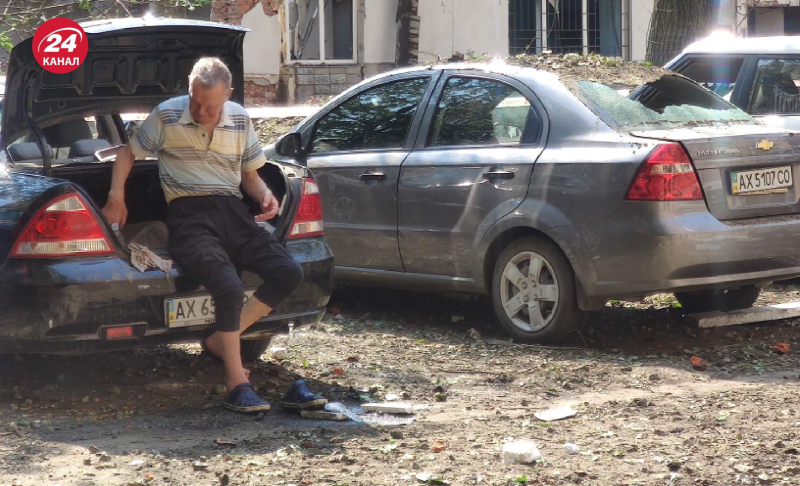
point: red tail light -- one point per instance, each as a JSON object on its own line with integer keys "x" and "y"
{"x": 65, "y": 227}
{"x": 308, "y": 220}
{"x": 666, "y": 175}
{"x": 120, "y": 332}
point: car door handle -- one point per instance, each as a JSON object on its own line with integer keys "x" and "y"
{"x": 498, "y": 174}
{"x": 372, "y": 175}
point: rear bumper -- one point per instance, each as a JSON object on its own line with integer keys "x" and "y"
{"x": 62, "y": 305}
{"x": 649, "y": 248}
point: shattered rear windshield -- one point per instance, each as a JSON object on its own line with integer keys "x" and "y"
{"x": 671, "y": 101}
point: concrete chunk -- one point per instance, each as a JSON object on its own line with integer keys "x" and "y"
{"x": 279, "y": 353}
{"x": 555, "y": 414}
{"x": 520, "y": 452}
{"x": 746, "y": 316}
{"x": 322, "y": 415}
{"x": 398, "y": 408}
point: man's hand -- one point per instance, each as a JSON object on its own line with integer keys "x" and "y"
{"x": 269, "y": 207}
{"x": 116, "y": 211}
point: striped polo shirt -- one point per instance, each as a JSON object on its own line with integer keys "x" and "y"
{"x": 190, "y": 165}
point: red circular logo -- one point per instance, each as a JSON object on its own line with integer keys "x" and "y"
{"x": 60, "y": 45}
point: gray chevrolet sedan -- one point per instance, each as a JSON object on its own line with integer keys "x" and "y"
{"x": 552, "y": 198}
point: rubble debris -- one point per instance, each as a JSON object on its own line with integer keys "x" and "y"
{"x": 781, "y": 348}
{"x": 397, "y": 408}
{"x": 521, "y": 452}
{"x": 323, "y": 415}
{"x": 555, "y": 414}
{"x": 279, "y": 354}
{"x": 698, "y": 363}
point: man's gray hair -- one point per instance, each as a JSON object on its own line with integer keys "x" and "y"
{"x": 209, "y": 72}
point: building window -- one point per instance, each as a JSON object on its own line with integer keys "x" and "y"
{"x": 321, "y": 30}
{"x": 569, "y": 26}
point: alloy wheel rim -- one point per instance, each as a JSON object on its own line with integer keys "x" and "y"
{"x": 529, "y": 292}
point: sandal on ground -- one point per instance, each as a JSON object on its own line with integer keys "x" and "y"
{"x": 300, "y": 397}
{"x": 243, "y": 399}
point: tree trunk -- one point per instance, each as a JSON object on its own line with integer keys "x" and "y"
{"x": 674, "y": 25}
{"x": 407, "y": 53}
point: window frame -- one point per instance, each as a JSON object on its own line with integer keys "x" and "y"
{"x": 321, "y": 20}
{"x": 542, "y": 29}
{"x": 413, "y": 129}
{"x": 534, "y": 125}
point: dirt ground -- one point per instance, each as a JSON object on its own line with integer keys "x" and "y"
{"x": 644, "y": 415}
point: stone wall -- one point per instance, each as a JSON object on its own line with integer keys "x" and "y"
{"x": 325, "y": 80}
{"x": 315, "y": 81}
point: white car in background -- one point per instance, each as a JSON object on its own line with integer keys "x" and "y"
{"x": 760, "y": 75}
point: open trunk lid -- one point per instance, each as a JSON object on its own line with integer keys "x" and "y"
{"x": 132, "y": 65}
{"x": 746, "y": 171}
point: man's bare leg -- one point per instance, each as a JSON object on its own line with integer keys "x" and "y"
{"x": 230, "y": 353}
{"x": 219, "y": 342}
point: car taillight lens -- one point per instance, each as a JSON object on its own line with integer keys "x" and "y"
{"x": 65, "y": 227}
{"x": 308, "y": 220}
{"x": 666, "y": 175}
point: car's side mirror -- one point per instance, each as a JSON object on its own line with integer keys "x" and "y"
{"x": 290, "y": 145}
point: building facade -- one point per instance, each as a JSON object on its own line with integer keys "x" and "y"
{"x": 300, "y": 49}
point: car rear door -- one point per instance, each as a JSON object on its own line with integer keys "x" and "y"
{"x": 471, "y": 165}
{"x": 355, "y": 153}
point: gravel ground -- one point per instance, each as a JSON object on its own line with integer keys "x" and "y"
{"x": 644, "y": 415}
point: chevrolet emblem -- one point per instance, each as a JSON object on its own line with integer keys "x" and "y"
{"x": 765, "y": 144}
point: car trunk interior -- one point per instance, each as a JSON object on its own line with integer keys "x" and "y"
{"x": 74, "y": 143}
{"x": 144, "y": 197}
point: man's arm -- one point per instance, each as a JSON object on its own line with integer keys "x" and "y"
{"x": 115, "y": 210}
{"x": 256, "y": 188}
{"x": 147, "y": 142}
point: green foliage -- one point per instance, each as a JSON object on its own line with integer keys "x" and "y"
{"x": 23, "y": 17}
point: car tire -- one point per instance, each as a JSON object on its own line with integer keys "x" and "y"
{"x": 553, "y": 296}
{"x": 252, "y": 349}
{"x": 718, "y": 300}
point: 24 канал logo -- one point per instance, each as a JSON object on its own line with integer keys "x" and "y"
{"x": 60, "y": 45}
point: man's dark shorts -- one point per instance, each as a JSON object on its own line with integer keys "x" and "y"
{"x": 214, "y": 238}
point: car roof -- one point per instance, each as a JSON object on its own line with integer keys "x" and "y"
{"x": 727, "y": 44}
{"x": 498, "y": 67}
{"x": 110, "y": 25}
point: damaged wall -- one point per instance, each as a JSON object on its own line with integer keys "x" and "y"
{"x": 450, "y": 26}
{"x": 262, "y": 45}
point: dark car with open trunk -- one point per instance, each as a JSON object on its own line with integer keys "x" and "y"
{"x": 68, "y": 284}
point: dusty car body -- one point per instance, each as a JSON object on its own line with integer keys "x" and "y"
{"x": 551, "y": 213}
{"x": 67, "y": 281}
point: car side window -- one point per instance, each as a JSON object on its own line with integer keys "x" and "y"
{"x": 775, "y": 90}
{"x": 477, "y": 111}
{"x": 378, "y": 118}
{"x": 718, "y": 74}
